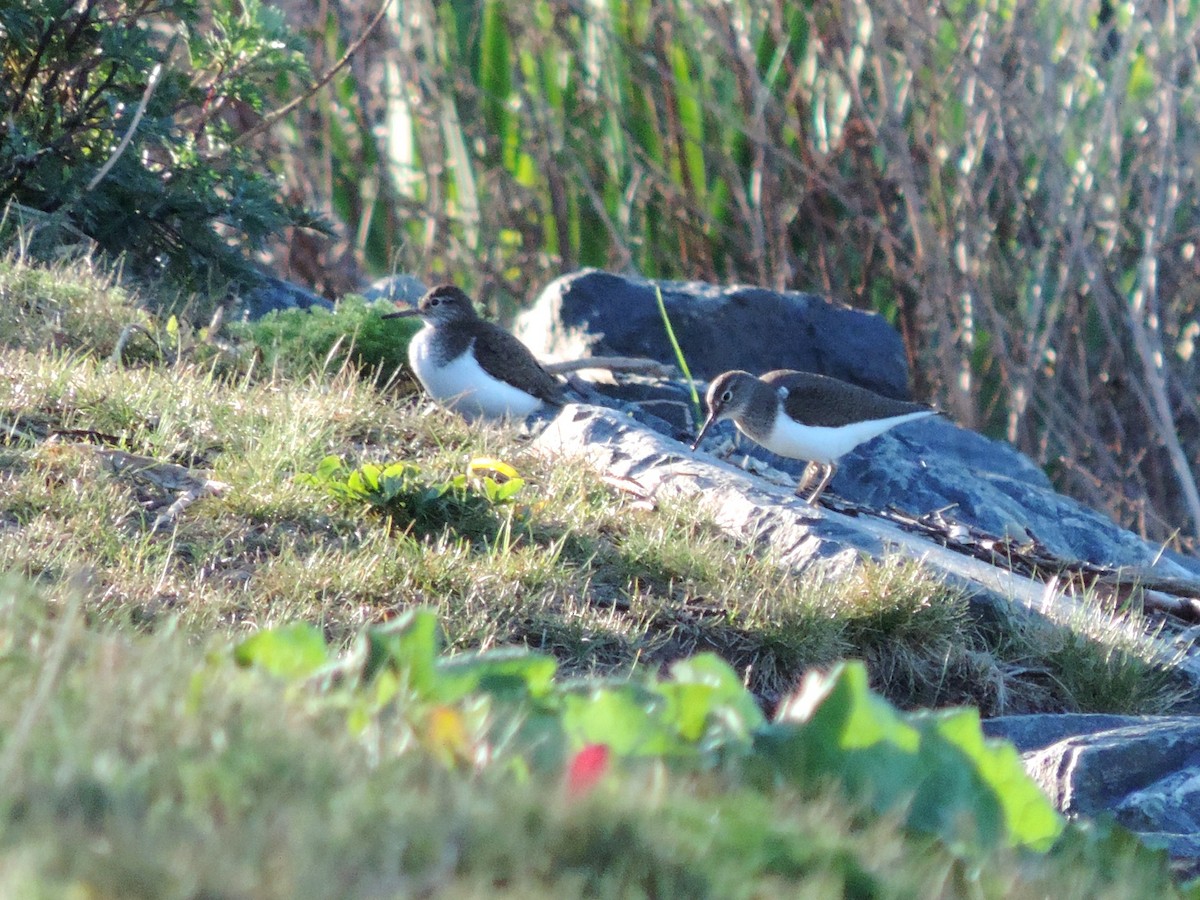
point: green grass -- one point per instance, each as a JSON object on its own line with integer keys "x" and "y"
{"x": 139, "y": 762}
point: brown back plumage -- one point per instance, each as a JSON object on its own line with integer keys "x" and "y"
{"x": 823, "y": 401}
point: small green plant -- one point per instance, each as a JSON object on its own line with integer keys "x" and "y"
{"x": 119, "y": 126}
{"x": 468, "y": 503}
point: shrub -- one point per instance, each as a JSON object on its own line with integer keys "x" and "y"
{"x": 120, "y": 121}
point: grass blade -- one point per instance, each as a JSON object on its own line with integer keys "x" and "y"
{"x": 679, "y": 357}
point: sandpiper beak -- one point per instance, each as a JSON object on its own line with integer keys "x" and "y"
{"x": 401, "y": 313}
{"x": 708, "y": 423}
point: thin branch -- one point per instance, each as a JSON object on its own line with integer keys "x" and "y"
{"x": 316, "y": 85}
{"x": 151, "y": 84}
{"x": 634, "y": 364}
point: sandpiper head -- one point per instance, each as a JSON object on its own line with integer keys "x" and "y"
{"x": 440, "y": 304}
{"x": 728, "y": 397}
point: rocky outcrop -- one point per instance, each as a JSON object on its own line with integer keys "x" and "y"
{"x": 763, "y": 507}
{"x": 1144, "y": 770}
{"x": 924, "y": 466}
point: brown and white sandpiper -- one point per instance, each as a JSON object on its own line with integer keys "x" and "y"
{"x": 802, "y": 415}
{"x": 474, "y": 366}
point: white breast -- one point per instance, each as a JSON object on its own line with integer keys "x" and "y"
{"x": 463, "y": 386}
{"x": 826, "y": 444}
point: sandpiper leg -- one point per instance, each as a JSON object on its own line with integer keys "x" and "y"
{"x": 830, "y": 469}
{"x": 805, "y": 478}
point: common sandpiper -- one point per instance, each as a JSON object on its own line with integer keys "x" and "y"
{"x": 802, "y": 415}
{"x": 474, "y": 366}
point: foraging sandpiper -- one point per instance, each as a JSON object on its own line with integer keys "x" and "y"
{"x": 802, "y": 415}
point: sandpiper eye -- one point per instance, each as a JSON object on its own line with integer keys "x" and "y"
{"x": 434, "y": 301}
{"x": 727, "y": 396}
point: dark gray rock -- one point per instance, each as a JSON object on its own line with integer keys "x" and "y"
{"x": 1146, "y": 773}
{"x": 919, "y": 467}
{"x": 1036, "y": 732}
{"x": 274, "y": 294}
{"x": 933, "y": 464}
{"x": 398, "y": 288}
{"x": 758, "y": 509}
{"x": 1092, "y": 773}
{"x": 594, "y": 313}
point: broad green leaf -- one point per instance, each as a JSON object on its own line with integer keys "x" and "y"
{"x": 290, "y": 651}
{"x": 626, "y": 718}
{"x": 688, "y": 707}
{"x": 504, "y": 491}
{"x": 729, "y": 694}
{"x": 409, "y": 646}
{"x": 329, "y": 467}
{"x": 506, "y": 672}
{"x": 938, "y": 767}
{"x": 1023, "y": 813}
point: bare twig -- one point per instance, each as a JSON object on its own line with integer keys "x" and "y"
{"x": 316, "y": 85}
{"x": 151, "y": 84}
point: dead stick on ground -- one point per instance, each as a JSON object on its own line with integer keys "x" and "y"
{"x": 635, "y": 364}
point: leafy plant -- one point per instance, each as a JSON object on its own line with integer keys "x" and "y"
{"x": 466, "y": 503}
{"x": 120, "y": 121}
{"x": 935, "y": 767}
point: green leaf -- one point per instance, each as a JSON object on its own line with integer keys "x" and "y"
{"x": 688, "y": 707}
{"x": 952, "y": 740}
{"x": 291, "y": 651}
{"x": 407, "y": 645}
{"x": 731, "y": 700}
{"x": 626, "y": 719}
{"x": 508, "y": 672}
{"x": 937, "y": 766}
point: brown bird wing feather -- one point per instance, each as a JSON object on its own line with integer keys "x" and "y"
{"x": 823, "y": 401}
{"x": 499, "y": 351}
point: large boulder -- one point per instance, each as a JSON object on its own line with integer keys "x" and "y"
{"x": 594, "y": 313}
{"x": 923, "y": 466}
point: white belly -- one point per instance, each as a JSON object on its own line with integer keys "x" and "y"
{"x": 824, "y": 444}
{"x": 464, "y": 387}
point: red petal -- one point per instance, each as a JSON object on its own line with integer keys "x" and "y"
{"x": 586, "y": 769}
